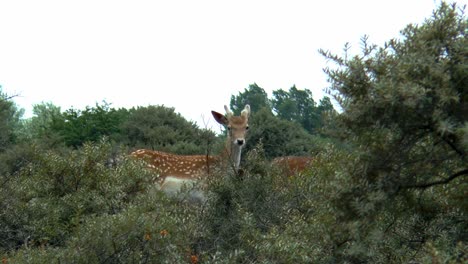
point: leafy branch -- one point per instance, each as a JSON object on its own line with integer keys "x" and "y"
{"x": 443, "y": 181}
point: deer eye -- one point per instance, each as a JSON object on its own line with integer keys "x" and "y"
{"x": 229, "y": 128}
{"x": 247, "y": 128}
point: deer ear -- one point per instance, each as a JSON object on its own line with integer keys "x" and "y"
{"x": 220, "y": 118}
{"x": 246, "y": 112}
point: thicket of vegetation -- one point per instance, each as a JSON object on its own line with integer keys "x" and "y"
{"x": 388, "y": 183}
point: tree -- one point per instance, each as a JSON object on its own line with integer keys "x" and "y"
{"x": 255, "y": 96}
{"x": 9, "y": 121}
{"x": 10, "y": 130}
{"x": 297, "y": 105}
{"x": 326, "y": 112}
{"x": 278, "y": 137}
{"x": 405, "y": 118}
{"x": 161, "y": 128}
{"x": 77, "y": 127}
{"x": 39, "y": 127}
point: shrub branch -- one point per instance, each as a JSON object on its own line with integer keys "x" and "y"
{"x": 444, "y": 181}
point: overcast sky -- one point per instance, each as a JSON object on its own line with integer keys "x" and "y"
{"x": 191, "y": 55}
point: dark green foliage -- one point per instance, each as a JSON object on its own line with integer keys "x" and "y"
{"x": 278, "y": 137}
{"x": 77, "y": 127}
{"x": 402, "y": 116}
{"x": 289, "y": 131}
{"x": 403, "y": 102}
{"x": 294, "y": 105}
{"x": 325, "y": 109}
{"x": 255, "y": 96}
{"x": 51, "y": 127}
{"x": 152, "y": 230}
{"x": 244, "y": 207}
{"x": 9, "y": 121}
{"x": 13, "y": 151}
{"x": 161, "y": 128}
{"x": 152, "y": 127}
{"x": 299, "y": 106}
{"x": 256, "y": 216}
{"x": 43, "y": 127}
{"x": 14, "y": 158}
{"x": 54, "y": 193}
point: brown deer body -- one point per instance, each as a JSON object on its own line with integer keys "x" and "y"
{"x": 175, "y": 171}
{"x": 291, "y": 165}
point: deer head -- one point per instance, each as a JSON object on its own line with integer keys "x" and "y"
{"x": 237, "y": 127}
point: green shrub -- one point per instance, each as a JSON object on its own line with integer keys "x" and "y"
{"x": 152, "y": 230}
{"x": 255, "y": 216}
{"x": 52, "y": 195}
{"x": 243, "y": 210}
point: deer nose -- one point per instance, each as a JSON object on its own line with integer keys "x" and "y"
{"x": 240, "y": 142}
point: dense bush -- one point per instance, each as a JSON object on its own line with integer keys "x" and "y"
{"x": 280, "y": 137}
{"x": 55, "y": 192}
{"x": 76, "y": 127}
{"x": 257, "y": 215}
{"x": 161, "y": 128}
{"x": 151, "y": 229}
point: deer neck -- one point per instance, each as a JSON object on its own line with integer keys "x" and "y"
{"x": 233, "y": 153}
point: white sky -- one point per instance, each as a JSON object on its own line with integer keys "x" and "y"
{"x": 191, "y": 55}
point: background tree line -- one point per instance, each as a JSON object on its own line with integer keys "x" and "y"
{"x": 388, "y": 182}
{"x": 290, "y": 116}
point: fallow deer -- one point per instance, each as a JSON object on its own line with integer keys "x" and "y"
{"x": 291, "y": 165}
{"x": 176, "y": 171}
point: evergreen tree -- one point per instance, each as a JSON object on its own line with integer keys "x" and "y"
{"x": 405, "y": 119}
{"x": 255, "y": 96}
{"x": 77, "y": 127}
{"x": 297, "y": 105}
